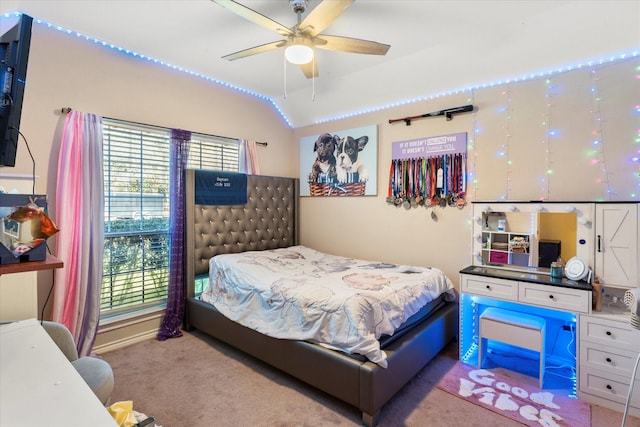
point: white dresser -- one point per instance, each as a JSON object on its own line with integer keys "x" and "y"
{"x": 609, "y": 348}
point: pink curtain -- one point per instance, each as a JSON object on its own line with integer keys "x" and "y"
{"x": 249, "y": 157}
{"x": 80, "y": 217}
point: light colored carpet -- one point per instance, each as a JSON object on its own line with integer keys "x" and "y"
{"x": 196, "y": 381}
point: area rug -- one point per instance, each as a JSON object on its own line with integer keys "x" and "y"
{"x": 515, "y": 396}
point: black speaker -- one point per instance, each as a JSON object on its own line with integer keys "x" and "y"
{"x": 548, "y": 252}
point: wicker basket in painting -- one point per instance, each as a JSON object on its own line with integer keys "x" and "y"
{"x": 335, "y": 189}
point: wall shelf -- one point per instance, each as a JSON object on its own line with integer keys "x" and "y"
{"x": 50, "y": 262}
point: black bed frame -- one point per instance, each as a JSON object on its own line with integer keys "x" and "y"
{"x": 269, "y": 221}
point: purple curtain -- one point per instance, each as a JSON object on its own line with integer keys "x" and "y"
{"x": 172, "y": 320}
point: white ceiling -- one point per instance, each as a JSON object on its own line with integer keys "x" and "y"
{"x": 436, "y": 46}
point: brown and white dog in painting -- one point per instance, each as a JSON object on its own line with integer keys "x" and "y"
{"x": 348, "y": 161}
{"x": 325, "y": 163}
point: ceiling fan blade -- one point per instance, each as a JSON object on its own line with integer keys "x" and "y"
{"x": 310, "y": 69}
{"x": 255, "y": 50}
{"x": 348, "y": 44}
{"x": 254, "y": 16}
{"x": 323, "y": 15}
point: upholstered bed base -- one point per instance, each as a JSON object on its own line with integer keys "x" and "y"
{"x": 210, "y": 230}
{"x": 358, "y": 382}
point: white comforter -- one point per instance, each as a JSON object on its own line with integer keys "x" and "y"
{"x": 302, "y": 294}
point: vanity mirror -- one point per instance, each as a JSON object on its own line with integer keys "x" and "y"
{"x": 531, "y": 235}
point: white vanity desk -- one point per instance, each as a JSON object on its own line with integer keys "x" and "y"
{"x": 596, "y": 350}
{"x": 556, "y": 302}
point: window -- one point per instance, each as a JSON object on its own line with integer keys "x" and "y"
{"x": 136, "y": 191}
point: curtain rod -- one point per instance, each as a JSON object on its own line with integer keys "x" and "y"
{"x": 67, "y": 110}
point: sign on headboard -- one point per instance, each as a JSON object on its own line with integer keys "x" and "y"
{"x": 220, "y": 188}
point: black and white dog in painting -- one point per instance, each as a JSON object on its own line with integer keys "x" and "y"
{"x": 348, "y": 162}
{"x": 325, "y": 163}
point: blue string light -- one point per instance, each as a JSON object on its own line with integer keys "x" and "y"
{"x": 346, "y": 115}
{"x": 545, "y": 74}
{"x": 157, "y": 61}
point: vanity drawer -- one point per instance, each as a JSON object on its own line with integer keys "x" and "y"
{"x": 609, "y": 333}
{"x": 555, "y": 297}
{"x": 608, "y": 386}
{"x": 488, "y": 286}
{"x": 607, "y": 358}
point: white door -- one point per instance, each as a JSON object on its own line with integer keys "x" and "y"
{"x": 617, "y": 244}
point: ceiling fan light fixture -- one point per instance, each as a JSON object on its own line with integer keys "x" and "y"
{"x": 299, "y": 51}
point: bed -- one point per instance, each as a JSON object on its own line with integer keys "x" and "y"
{"x": 267, "y": 223}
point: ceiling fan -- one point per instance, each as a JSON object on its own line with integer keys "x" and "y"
{"x": 305, "y": 35}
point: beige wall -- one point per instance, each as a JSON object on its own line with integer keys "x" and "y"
{"x": 511, "y": 156}
{"x": 369, "y": 228}
{"x": 65, "y": 71}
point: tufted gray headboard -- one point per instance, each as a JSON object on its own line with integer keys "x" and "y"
{"x": 268, "y": 220}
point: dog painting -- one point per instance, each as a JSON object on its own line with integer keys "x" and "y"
{"x": 324, "y": 167}
{"x": 338, "y": 160}
{"x": 349, "y": 161}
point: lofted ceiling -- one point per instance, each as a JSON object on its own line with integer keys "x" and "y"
{"x": 436, "y": 46}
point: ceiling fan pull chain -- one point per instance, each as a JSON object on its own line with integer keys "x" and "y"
{"x": 284, "y": 64}
{"x": 313, "y": 79}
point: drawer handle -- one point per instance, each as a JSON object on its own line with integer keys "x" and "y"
{"x": 608, "y": 359}
{"x": 488, "y": 287}
{"x": 609, "y": 387}
{"x": 550, "y": 296}
{"x": 608, "y": 333}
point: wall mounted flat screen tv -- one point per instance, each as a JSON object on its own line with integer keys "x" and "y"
{"x": 14, "y": 54}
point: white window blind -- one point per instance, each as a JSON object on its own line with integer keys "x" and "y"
{"x": 136, "y": 180}
{"x": 213, "y": 153}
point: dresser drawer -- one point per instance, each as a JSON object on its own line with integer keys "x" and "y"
{"x": 608, "y": 386}
{"x": 555, "y": 297}
{"x": 607, "y": 358}
{"x": 609, "y": 333}
{"x": 488, "y": 286}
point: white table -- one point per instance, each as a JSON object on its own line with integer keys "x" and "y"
{"x": 39, "y": 386}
